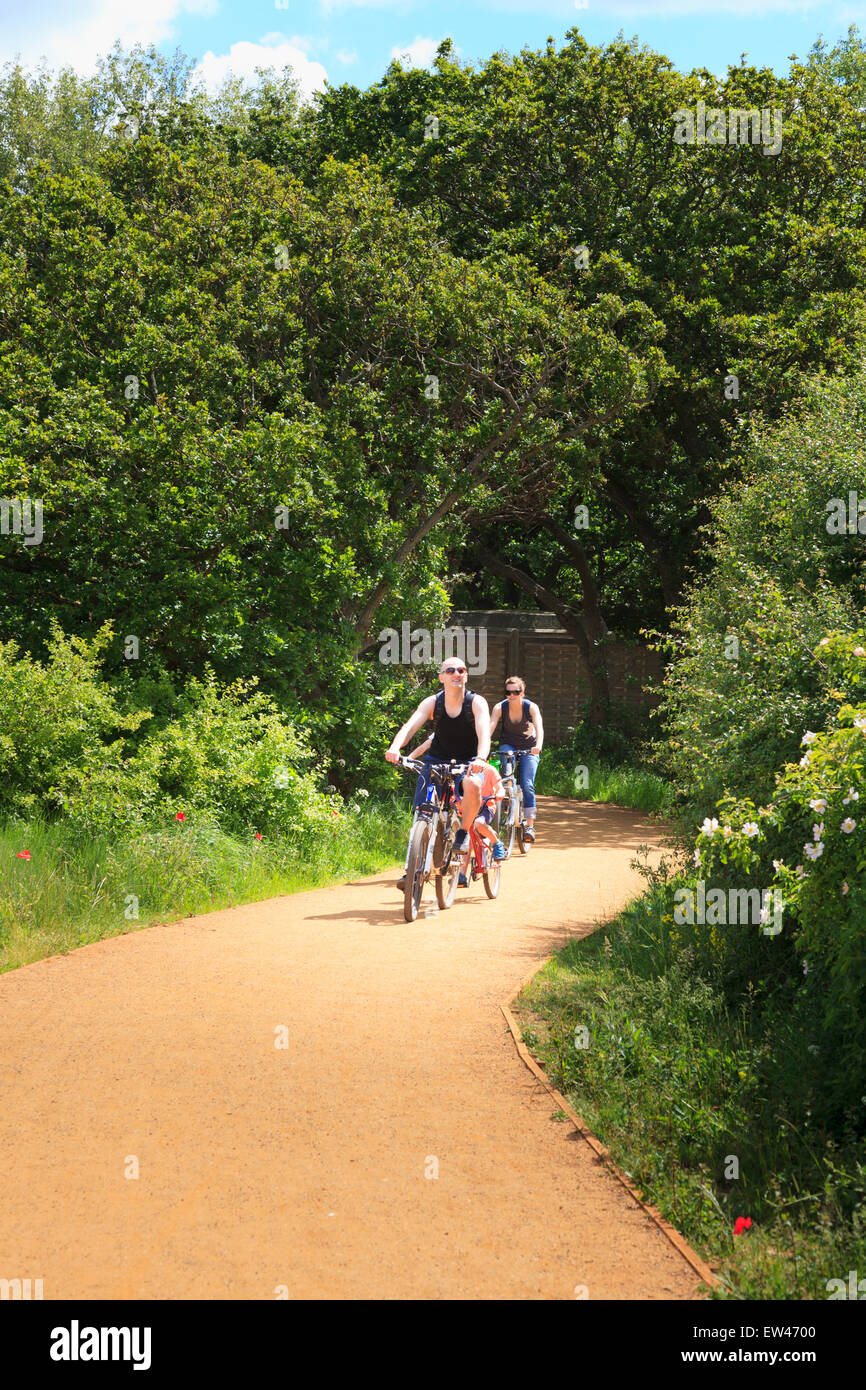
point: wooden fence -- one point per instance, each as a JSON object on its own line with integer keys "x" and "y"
{"x": 534, "y": 646}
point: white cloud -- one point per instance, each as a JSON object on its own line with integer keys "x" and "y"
{"x": 273, "y": 51}
{"x": 345, "y": 55}
{"x": 419, "y": 54}
{"x": 75, "y": 35}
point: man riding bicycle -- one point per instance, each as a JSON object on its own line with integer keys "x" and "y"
{"x": 461, "y": 733}
{"x": 522, "y": 735}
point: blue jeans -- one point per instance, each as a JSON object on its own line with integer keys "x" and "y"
{"x": 525, "y": 770}
{"x": 424, "y": 781}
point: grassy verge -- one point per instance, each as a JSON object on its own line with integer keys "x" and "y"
{"x": 561, "y": 773}
{"x": 74, "y": 889}
{"x": 708, "y": 1102}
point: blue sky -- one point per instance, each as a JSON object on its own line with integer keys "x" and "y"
{"x": 354, "y": 40}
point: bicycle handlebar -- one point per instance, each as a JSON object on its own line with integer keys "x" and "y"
{"x": 451, "y": 769}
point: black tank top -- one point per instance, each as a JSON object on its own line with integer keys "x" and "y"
{"x": 455, "y": 738}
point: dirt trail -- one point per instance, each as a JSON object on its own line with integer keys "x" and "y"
{"x": 304, "y": 1166}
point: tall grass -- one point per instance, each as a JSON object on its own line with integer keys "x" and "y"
{"x": 77, "y": 888}
{"x": 560, "y": 774}
{"x": 712, "y": 1098}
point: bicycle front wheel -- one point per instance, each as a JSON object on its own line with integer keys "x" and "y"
{"x": 491, "y": 873}
{"x": 415, "y": 869}
{"x": 518, "y": 816}
{"x": 446, "y": 881}
{"x": 510, "y": 828}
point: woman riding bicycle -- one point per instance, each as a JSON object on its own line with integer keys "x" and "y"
{"x": 522, "y": 734}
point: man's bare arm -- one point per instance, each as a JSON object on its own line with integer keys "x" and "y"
{"x": 421, "y": 715}
{"x": 481, "y": 710}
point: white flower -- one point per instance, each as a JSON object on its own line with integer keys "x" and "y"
{"x": 362, "y": 791}
{"x": 860, "y": 651}
{"x": 697, "y": 859}
{"x": 817, "y": 831}
{"x": 777, "y": 865}
{"x": 751, "y": 828}
{"x": 709, "y": 826}
{"x": 727, "y": 832}
{"x": 852, "y": 796}
{"x": 805, "y": 967}
{"x": 860, "y": 724}
{"x": 847, "y": 825}
{"x": 824, "y": 641}
{"x": 800, "y": 871}
{"x": 845, "y": 887}
{"x": 814, "y": 851}
{"x": 818, "y": 804}
{"x": 804, "y": 761}
{"x": 808, "y": 737}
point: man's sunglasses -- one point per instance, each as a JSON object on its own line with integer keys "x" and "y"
{"x": 454, "y": 670}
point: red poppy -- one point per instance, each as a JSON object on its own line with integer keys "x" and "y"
{"x": 23, "y": 854}
{"x": 741, "y": 1224}
{"x": 258, "y": 836}
{"x": 180, "y": 816}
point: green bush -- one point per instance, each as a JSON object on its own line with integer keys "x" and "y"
{"x": 743, "y": 682}
{"x": 59, "y": 722}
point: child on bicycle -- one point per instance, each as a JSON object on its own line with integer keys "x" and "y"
{"x": 492, "y": 791}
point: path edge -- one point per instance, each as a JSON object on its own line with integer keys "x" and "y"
{"x": 679, "y": 1242}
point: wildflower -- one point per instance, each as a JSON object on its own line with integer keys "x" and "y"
{"x": 709, "y": 826}
{"x": 697, "y": 859}
{"x": 742, "y": 1074}
{"x": 800, "y": 871}
{"x": 814, "y": 851}
{"x": 258, "y": 836}
{"x": 818, "y": 804}
{"x": 860, "y": 651}
{"x": 845, "y": 887}
{"x": 23, "y": 854}
{"x": 824, "y": 641}
{"x": 180, "y": 816}
{"x": 742, "y": 1224}
{"x": 808, "y": 737}
{"x": 852, "y": 796}
{"x": 751, "y": 828}
{"x": 805, "y": 967}
{"x": 817, "y": 831}
{"x": 336, "y": 815}
{"x": 777, "y": 865}
{"x": 727, "y": 832}
{"x": 804, "y": 761}
{"x": 362, "y": 791}
{"x": 860, "y": 724}
{"x": 847, "y": 825}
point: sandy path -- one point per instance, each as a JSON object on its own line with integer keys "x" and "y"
{"x": 304, "y": 1166}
